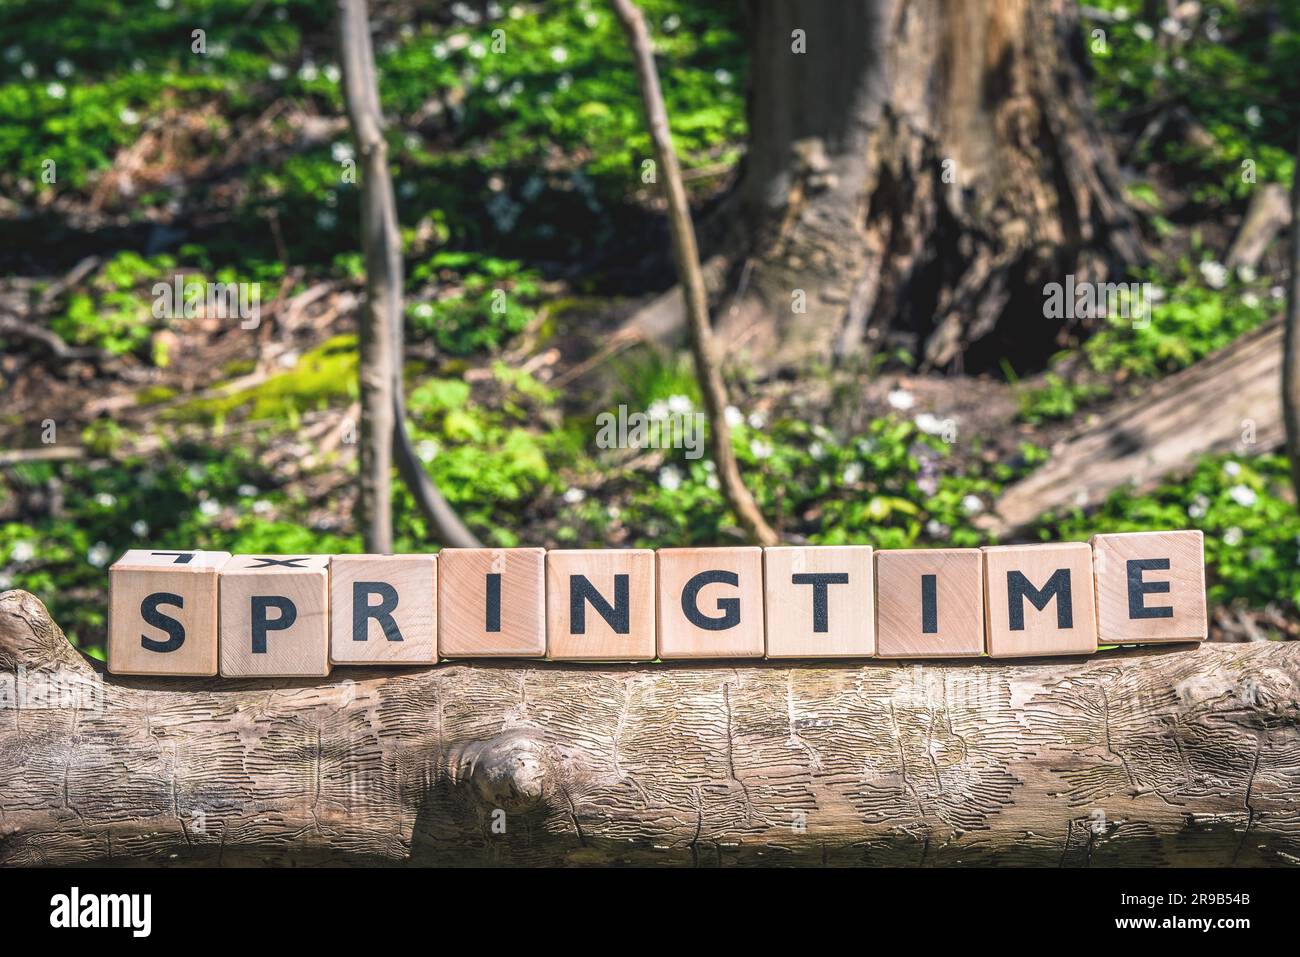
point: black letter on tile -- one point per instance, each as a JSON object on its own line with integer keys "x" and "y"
{"x": 821, "y": 613}
{"x": 161, "y": 620}
{"x": 618, "y": 617}
{"x": 1137, "y": 607}
{"x": 362, "y": 610}
{"x": 1019, "y": 588}
{"x": 493, "y": 602}
{"x": 288, "y": 615}
{"x": 929, "y": 605}
{"x": 730, "y": 607}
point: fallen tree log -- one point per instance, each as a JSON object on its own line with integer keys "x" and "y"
{"x": 1229, "y": 400}
{"x": 1140, "y": 757}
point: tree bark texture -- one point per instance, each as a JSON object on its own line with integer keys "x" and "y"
{"x": 379, "y": 323}
{"x": 1179, "y": 756}
{"x": 1291, "y": 344}
{"x": 919, "y": 173}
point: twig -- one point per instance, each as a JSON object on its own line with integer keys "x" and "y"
{"x": 687, "y": 255}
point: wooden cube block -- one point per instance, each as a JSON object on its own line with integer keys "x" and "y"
{"x": 492, "y": 602}
{"x": 819, "y": 601}
{"x": 1150, "y": 587}
{"x": 1039, "y": 600}
{"x": 930, "y": 603}
{"x": 710, "y": 602}
{"x": 384, "y": 609}
{"x": 600, "y": 604}
{"x": 275, "y": 616}
{"x": 162, "y": 615}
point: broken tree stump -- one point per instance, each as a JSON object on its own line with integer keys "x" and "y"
{"x": 1138, "y": 757}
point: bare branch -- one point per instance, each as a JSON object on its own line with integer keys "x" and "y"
{"x": 687, "y": 256}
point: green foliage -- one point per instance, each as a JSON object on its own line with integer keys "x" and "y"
{"x": 1188, "y": 320}
{"x": 493, "y": 300}
{"x": 115, "y": 314}
{"x": 1231, "y": 66}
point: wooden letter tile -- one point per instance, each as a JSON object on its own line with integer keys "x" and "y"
{"x": 492, "y": 602}
{"x": 1150, "y": 587}
{"x": 275, "y": 616}
{"x": 930, "y": 603}
{"x": 819, "y": 601}
{"x": 711, "y": 602}
{"x": 1039, "y": 600}
{"x": 384, "y": 609}
{"x": 162, "y": 617}
{"x": 600, "y": 604}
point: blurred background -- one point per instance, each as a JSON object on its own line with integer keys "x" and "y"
{"x": 881, "y": 217}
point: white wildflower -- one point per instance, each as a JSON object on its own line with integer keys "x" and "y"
{"x": 559, "y": 54}
{"x": 929, "y": 423}
{"x": 670, "y": 478}
{"x": 735, "y": 418}
{"x": 342, "y": 151}
{"x": 1232, "y": 537}
{"x": 680, "y": 404}
{"x": 308, "y": 71}
{"x": 757, "y": 420}
{"x": 658, "y": 410}
{"x": 1231, "y": 469}
{"x": 261, "y": 506}
{"x": 99, "y": 554}
{"x": 427, "y": 450}
{"x": 901, "y": 399}
{"x": 331, "y": 72}
{"x": 57, "y": 90}
{"x": 972, "y": 505}
{"x": 574, "y": 495}
{"x": 128, "y": 116}
{"x": 209, "y": 507}
{"x": 1214, "y": 273}
{"x": 105, "y": 500}
{"x": 852, "y": 473}
{"x": 761, "y": 449}
{"x": 247, "y": 490}
{"x": 1243, "y": 495}
{"x": 63, "y": 68}
{"x": 277, "y": 71}
{"x": 817, "y": 451}
{"x": 1246, "y": 272}
{"x": 22, "y": 552}
{"x": 139, "y": 528}
{"x": 1253, "y": 116}
{"x": 1144, "y": 32}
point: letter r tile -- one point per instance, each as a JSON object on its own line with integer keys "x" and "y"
{"x": 710, "y": 602}
{"x": 1150, "y": 587}
{"x": 275, "y": 616}
{"x": 1039, "y": 600}
{"x": 600, "y": 604}
{"x": 384, "y": 609}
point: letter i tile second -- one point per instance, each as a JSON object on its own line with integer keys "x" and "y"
{"x": 275, "y": 616}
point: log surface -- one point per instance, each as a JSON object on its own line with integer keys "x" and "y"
{"x": 1184, "y": 756}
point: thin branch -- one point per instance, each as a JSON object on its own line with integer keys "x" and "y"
{"x": 384, "y": 439}
{"x": 687, "y": 257}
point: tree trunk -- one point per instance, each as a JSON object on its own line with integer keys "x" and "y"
{"x": 379, "y": 322}
{"x": 917, "y": 176}
{"x": 1180, "y": 756}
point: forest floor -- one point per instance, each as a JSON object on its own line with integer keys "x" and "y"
{"x": 518, "y": 176}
